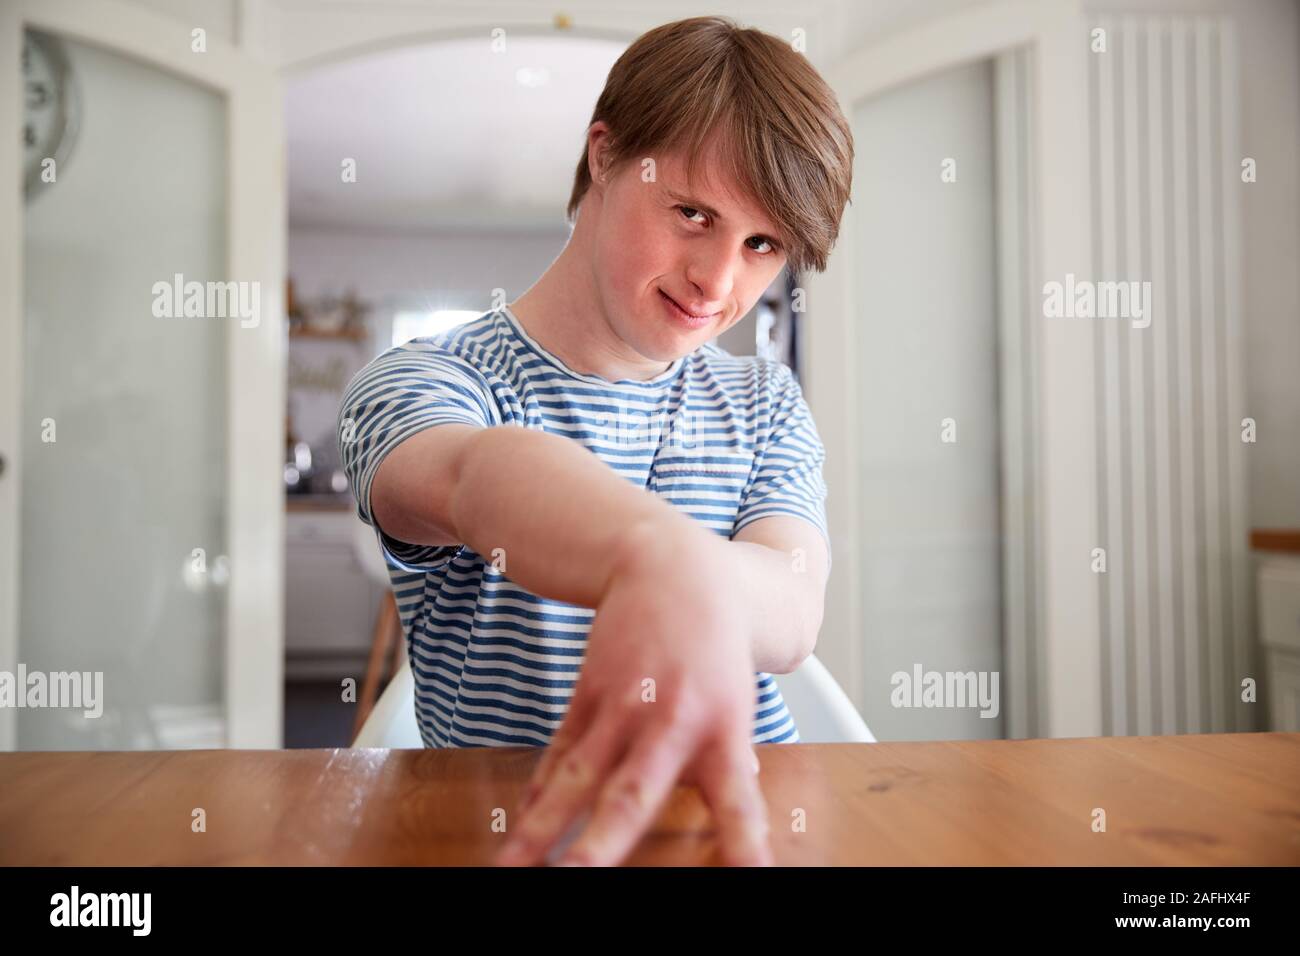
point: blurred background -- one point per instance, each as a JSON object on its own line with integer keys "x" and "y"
{"x": 1105, "y": 512}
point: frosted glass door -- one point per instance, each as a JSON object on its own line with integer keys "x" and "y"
{"x": 124, "y": 415}
{"x": 925, "y": 274}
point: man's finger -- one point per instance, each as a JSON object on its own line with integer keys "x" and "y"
{"x": 689, "y": 776}
{"x": 569, "y": 788}
{"x": 631, "y": 799}
{"x": 569, "y": 733}
{"x": 730, "y": 787}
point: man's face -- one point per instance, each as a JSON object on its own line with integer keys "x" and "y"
{"x": 673, "y": 244}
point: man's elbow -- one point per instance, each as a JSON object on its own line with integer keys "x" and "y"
{"x": 813, "y": 604}
{"x": 809, "y": 642}
{"x": 805, "y": 643}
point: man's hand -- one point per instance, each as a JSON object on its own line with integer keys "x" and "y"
{"x": 666, "y": 693}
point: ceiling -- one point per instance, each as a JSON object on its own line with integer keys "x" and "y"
{"x": 447, "y": 136}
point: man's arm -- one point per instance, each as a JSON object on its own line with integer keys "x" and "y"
{"x": 782, "y": 536}
{"x": 556, "y": 511}
{"x": 785, "y": 570}
{"x": 559, "y": 514}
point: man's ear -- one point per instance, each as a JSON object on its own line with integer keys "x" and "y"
{"x": 598, "y": 141}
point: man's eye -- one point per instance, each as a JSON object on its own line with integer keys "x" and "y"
{"x": 772, "y": 248}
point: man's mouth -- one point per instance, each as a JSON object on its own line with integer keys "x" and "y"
{"x": 691, "y": 319}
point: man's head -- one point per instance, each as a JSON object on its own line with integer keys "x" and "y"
{"x": 714, "y": 157}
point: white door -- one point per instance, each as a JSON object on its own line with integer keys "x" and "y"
{"x": 928, "y": 425}
{"x": 917, "y": 583}
{"x": 141, "y": 383}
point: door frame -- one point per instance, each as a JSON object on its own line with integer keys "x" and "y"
{"x": 254, "y": 516}
{"x": 1056, "y": 34}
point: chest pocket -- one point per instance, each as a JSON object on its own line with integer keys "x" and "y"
{"x": 707, "y": 483}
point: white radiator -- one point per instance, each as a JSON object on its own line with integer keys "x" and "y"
{"x": 1166, "y": 174}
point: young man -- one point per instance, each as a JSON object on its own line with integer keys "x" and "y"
{"x": 606, "y": 533}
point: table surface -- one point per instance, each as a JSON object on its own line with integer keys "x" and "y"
{"x": 1212, "y": 799}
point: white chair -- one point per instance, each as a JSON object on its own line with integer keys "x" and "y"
{"x": 392, "y": 723}
{"x": 821, "y": 710}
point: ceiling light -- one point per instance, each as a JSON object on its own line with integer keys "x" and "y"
{"x": 532, "y": 76}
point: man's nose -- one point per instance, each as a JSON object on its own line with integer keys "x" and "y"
{"x": 712, "y": 274}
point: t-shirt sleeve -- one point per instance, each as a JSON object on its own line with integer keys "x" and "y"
{"x": 787, "y": 477}
{"x": 401, "y": 392}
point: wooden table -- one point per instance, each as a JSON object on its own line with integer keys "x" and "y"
{"x": 1217, "y": 799}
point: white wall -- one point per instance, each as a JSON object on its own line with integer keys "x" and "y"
{"x": 220, "y": 18}
{"x": 1271, "y": 254}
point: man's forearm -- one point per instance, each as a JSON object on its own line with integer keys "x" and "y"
{"x": 562, "y": 519}
{"x": 558, "y": 514}
{"x": 784, "y": 608}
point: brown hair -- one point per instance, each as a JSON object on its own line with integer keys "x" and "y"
{"x": 783, "y": 137}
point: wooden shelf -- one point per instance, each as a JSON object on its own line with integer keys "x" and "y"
{"x": 1275, "y": 539}
{"x": 359, "y": 335}
{"x": 318, "y": 502}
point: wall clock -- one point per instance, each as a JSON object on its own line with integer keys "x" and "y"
{"x": 51, "y": 108}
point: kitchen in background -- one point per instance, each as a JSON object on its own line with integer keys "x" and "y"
{"x": 331, "y": 605}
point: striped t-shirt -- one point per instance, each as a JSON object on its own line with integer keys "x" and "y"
{"x": 727, "y": 439}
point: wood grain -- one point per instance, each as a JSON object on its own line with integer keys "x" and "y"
{"x": 1214, "y": 799}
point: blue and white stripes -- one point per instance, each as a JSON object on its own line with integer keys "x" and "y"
{"x": 726, "y": 439}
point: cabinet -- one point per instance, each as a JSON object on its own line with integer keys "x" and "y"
{"x": 330, "y": 601}
{"x": 1278, "y": 582}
